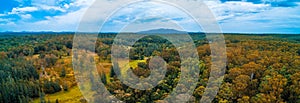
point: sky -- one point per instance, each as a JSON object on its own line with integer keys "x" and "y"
{"x": 233, "y": 16}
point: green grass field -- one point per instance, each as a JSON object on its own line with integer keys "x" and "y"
{"x": 132, "y": 63}
{"x": 72, "y": 96}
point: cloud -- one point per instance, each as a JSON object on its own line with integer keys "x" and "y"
{"x": 66, "y": 6}
{"x": 3, "y": 20}
{"x": 281, "y": 3}
{"x": 276, "y": 20}
{"x": 85, "y": 3}
{"x": 23, "y": 10}
{"x": 233, "y": 16}
{"x": 146, "y": 12}
{"x": 2, "y": 15}
{"x": 56, "y": 8}
{"x": 146, "y": 15}
{"x": 48, "y": 2}
{"x": 67, "y": 21}
{"x": 233, "y": 9}
{"x": 26, "y": 16}
{"x": 274, "y": 3}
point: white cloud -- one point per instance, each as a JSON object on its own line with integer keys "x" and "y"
{"x": 3, "y": 20}
{"x": 66, "y": 6}
{"x": 25, "y": 16}
{"x": 47, "y": 2}
{"x": 23, "y": 10}
{"x": 279, "y": 19}
{"x": 233, "y": 9}
{"x": 151, "y": 15}
{"x": 232, "y": 15}
{"x": 66, "y": 22}
{"x": 7, "y": 24}
{"x": 70, "y": 20}
{"x": 56, "y": 8}
{"x": 3, "y": 15}
{"x": 84, "y": 3}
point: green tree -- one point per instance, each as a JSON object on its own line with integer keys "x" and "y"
{"x": 63, "y": 72}
{"x": 42, "y": 97}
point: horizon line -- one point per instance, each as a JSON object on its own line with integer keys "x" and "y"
{"x": 199, "y": 32}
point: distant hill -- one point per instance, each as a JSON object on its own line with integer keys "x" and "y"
{"x": 162, "y": 31}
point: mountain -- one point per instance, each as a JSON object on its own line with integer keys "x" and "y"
{"x": 162, "y": 31}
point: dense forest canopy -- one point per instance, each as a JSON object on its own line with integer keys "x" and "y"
{"x": 260, "y": 68}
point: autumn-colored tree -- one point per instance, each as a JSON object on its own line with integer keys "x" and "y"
{"x": 271, "y": 88}
{"x": 253, "y": 70}
{"x": 240, "y": 84}
{"x": 225, "y": 93}
{"x": 244, "y": 99}
{"x": 233, "y": 73}
{"x": 294, "y": 89}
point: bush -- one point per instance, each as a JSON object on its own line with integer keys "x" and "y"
{"x": 51, "y": 87}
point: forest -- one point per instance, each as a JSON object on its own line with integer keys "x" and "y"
{"x": 260, "y": 68}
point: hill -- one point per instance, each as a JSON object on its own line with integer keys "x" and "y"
{"x": 162, "y": 31}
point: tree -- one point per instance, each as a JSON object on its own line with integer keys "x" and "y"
{"x": 112, "y": 71}
{"x": 42, "y": 97}
{"x": 240, "y": 85}
{"x": 233, "y": 73}
{"x": 103, "y": 79}
{"x": 294, "y": 88}
{"x": 66, "y": 87}
{"x": 63, "y": 72}
{"x": 142, "y": 65}
{"x": 50, "y": 60}
{"x": 225, "y": 93}
{"x": 51, "y": 87}
{"x": 272, "y": 87}
{"x": 244, "y": 99}
{"x": 252, "y": 68}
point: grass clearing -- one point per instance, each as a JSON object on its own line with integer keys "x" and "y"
{"x": 125, "y": 65}
{"x": 72, "y": 96}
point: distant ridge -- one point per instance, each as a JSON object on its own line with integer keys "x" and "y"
{"x": 154, "y": 31}
{"x": 162, "y": 31}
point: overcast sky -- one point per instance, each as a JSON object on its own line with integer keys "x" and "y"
{"x": 233, "y": 16}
